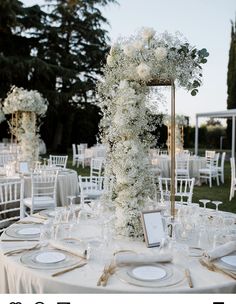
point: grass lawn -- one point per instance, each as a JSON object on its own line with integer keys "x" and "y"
{"x": 216, "y": 193}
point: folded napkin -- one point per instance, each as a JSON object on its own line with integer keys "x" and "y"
{"x": 131, "y": 258}
{"x": 68, "y": 248}
{"x": 221, "y": 251}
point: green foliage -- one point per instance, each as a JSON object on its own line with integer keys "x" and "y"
{"x": 58, "y": 52}
{"x": 231, "y": 78}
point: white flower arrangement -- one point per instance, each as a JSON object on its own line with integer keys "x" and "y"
{"x": 126, "y": 124}
{"x": 2, "y": 116}
{"x": 27, "y": 106}
{"x": 19, "y": 99}
{"x": 180, "y": 120}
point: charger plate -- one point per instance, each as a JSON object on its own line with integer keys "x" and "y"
{"x": 154, "y": 275}
{"x": 26, "y": 231}
{"x": 227, "y": 262}
{"x": 50, "y": 213}
{"x": 48, "y": 259}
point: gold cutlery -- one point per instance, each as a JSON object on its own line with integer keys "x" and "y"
{"x": 19, "y": 240}
{"x": 20, "y": 250}
{"x": 69, "y": 269}
{"x": 107, "y": 272}
{"x": 212, "y": 267}
{"x": 188, "y": 276}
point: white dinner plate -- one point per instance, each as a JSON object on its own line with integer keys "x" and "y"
{"x": 29, "y": 231}
{"x": 49, "y": 257}
{"x": 173, "y": 276}
{"x": 26, "y": 231}
{"x": 227, "y": 262}
{"x": 147, "y": 272}
{"x": 230, "y": 260}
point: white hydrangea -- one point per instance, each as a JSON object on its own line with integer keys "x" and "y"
{"x": 160, "y": 53}
{"x": 147, "y": 33}
{"x": 129, "y": 50}
{"x": 144, "y": 71}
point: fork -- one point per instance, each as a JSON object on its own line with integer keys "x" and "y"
{"x": 20, "y": 250}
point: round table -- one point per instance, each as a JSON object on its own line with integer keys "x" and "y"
{"x": 18, "y": 278}
{"x": 67, "y": 184}
{"x": 195, "y": 163}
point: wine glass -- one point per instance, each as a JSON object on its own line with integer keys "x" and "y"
{"x": 204, "y": 202}
{"x": 71, "y": 199}
{"x": 217, "y": 203}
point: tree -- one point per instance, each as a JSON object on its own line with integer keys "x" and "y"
{"x": 74, "y": 45}
{"x": 231, "y": 78}
{"x": 59, "y": 52}
{"x": 16, "y": 60}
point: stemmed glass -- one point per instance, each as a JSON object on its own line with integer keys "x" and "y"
{"x": 204, "y": 202}
{"x": 71, "y": 199}
{"x": 217, "y": 203}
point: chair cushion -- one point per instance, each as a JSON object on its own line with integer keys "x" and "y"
{"x": 39, "y": 202}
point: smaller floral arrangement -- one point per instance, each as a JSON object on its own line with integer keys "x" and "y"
{"x": 180, "y": 120}
{"x": 19, "y": 99}
{"x": 2, "y": 116}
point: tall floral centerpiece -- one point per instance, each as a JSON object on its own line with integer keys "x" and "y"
{"x": 133, "y": 65}
{"x": 26, "y": 108}
{"x": 2, "y": 116}
{"x": 180, "y": 122}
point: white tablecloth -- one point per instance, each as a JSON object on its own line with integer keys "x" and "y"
{"x": 195, "y": 163}
{"x": 17, "y": 278}
{"x": 67, "y": 184}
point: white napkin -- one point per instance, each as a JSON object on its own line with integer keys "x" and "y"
{"x": 130, "y": 258}
{"x": 71, "y": 249}
{"x": 221, "y": 251}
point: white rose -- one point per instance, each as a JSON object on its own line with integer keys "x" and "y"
{"x": 138, "y": 45}
{"x": 148, "y": 33}
{"x": 160, "y": 53}
{"x": 129, "y": 50}
{"x": 144, "y": 71}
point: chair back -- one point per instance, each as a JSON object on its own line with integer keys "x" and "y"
{"x": 92, "y": 187}
{"x": 182, "y": 166}
{"x": 6, "y": 158}
{"x": 58, "y": 160}
{"x": 222, "y": 164}
{"x": 210, "y": 154}
{"x": 74, "y": 149}
{"x": 11, "y": 196}
{"x": 96, "y": 166}
{"x": 183, "y": 189}
{"x": 232, "y": 166}
{"x": 43, "y": 187}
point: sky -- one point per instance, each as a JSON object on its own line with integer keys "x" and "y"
{"x": 205, "y": 24}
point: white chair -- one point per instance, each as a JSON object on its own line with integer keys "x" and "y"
{"x": 6, "y": 158}
{"x": 75, "y": 154}
{"x": 80, "y": 155}
{"x": 182, "y": 166}
{"x": 233, "y": 178}
{"x": 92, "y": 187}
{"x": 220, "y": 169}
{"x": 43, "y": 192}
{"x": 183, "y": 189}
{"x": 210, "y": 172}
{"x": 58, "y": 160}
{"x": 210, "y": 154}
{"x": 96, "y": 166}
{"x": 11, "y": 196}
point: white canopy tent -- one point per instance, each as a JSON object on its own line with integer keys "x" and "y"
{"x": 231, "y": 114}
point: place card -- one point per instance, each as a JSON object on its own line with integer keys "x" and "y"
{"x": 153, "y": 227}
